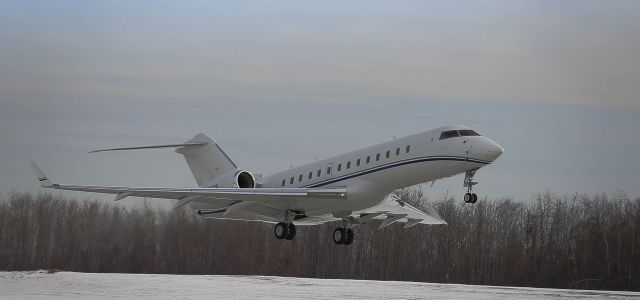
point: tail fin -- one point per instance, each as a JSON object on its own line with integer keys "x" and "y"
{"x": 207, "y": 161}
{"x": 205, "y": 158}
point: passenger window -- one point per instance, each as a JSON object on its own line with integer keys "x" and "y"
{"x": 283, "y": 181}
{"x": 291, "y": 180}
{"x": 388, "y": 153}
{"x": 319, "y": 173}
{"x": 468, "y": 132}
{"x": 339, "y": 167}
{"x": 368, "y": 159}
{"x": 449, "y": 134}
{"x": 397, "y": 151}
{"x": 378, "y": 157}
{"x": 408, "y": 148}
{"x": 310, "y": 175}
{"x": 348, "y": 164}
{"x": 358, "y": 162}
{"x": 328, "y": 170}
{"x": 300, "y": 178}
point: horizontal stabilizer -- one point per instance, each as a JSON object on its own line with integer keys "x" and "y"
{"x": 152, "y": 147}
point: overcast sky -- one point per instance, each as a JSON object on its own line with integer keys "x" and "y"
{"x": 278, "y": 83}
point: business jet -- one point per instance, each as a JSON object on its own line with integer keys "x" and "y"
{"x": 353, "y": 188}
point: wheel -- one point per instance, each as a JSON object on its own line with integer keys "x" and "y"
{"x": 291, "y": 232}
{"x": 339, "y": 235}
{"x": 349, "y": 237}
{"x": 281, "y": 230}
{"x": 474, "y": 198}
{"x": 468, "y": 198}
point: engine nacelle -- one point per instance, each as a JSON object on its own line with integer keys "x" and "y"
{"x": 238, "y": 178}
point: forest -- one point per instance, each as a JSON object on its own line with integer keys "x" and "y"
{"x": 578, "y": 241}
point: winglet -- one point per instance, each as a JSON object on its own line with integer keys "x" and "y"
{"x": 44, "y": 180}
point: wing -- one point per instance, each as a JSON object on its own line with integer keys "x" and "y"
{"x": 393, "y": 210}
{"x": 265, "y": 204}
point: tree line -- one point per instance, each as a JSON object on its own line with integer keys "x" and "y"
{"x": 553, "y": 241}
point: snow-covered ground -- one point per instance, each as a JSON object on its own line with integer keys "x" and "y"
{"x": 65, "y": 285}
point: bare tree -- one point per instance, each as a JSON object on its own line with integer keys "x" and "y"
{"x": 567, "y": 242}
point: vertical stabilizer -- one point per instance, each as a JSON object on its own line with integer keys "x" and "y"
{"x": 207, "y": 161}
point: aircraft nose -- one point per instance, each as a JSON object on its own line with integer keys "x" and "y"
{"x": 493, "y": 150}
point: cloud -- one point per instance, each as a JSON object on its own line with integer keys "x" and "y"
{"x": 506, "y": 52}
{"x": 264, "y": 78}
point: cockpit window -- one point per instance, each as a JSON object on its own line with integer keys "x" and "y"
{"x": 468, "y": 132}
{"x": 456, "y": 133}
{"x": 449, "y": 134}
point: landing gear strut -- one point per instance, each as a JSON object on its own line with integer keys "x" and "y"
{"x": 470, "y": 197}
{"x": 285, "y": 231}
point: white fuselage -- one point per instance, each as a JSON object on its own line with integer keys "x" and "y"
{"x": 372, "y": 173}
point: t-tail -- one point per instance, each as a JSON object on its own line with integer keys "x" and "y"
{"x": 204, "y": 156}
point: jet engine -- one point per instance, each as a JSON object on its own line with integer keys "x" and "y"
{"x": 237, "y": 178}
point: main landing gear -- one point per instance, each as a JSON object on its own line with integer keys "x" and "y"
{"x": 285, "y": 231}
{"x": 470, "y": 197}
{"x": 343, "y": 236}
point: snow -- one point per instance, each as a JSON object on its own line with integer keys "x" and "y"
{"x": 67, "y": 285}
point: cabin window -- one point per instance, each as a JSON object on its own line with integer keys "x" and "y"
{"x": 449, "y": 134}
{"x": 328, "y": 170}
{"x": 300, "y": 178}
{"x": 310, "y": 175}
{"x": 348, "y": 164}
{"x": 368, "y": 159}
{"x": 397, "y": 151}
{"x": 358, "y": 162}
{"x": 339, "y": 167}
{"x": 388, "y": 153}
{"x": 378, "y": 157}
{"x": 468, "y": 132}
{"x": 291, "y": 180}
{"x": 283, "y": 181}
{"x": 319, "y": 173}
{"x": 408, "y": 148}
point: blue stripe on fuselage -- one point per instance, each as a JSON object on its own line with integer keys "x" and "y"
{"x": 396, "y": 164}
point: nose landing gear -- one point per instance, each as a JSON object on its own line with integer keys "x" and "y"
{"x": 470, "y": 197}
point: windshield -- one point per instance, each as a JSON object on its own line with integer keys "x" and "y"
{"x": 449, "y": 134}
{"x": 456, "y": 133}
{"x": 468, "y": 132}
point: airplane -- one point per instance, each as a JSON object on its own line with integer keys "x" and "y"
{"x": 353, "y": 188}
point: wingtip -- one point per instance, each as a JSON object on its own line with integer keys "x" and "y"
{"x": 42, "y": 178}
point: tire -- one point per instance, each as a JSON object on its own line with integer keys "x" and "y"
{"x": 339, "y": 235}
{"x": 349, "y": 237}
{"x": 280, "y": 230}
{"x": 468, "y": 198}
{"x": 291, "y": 233}
{"x": 474, "y": 198}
